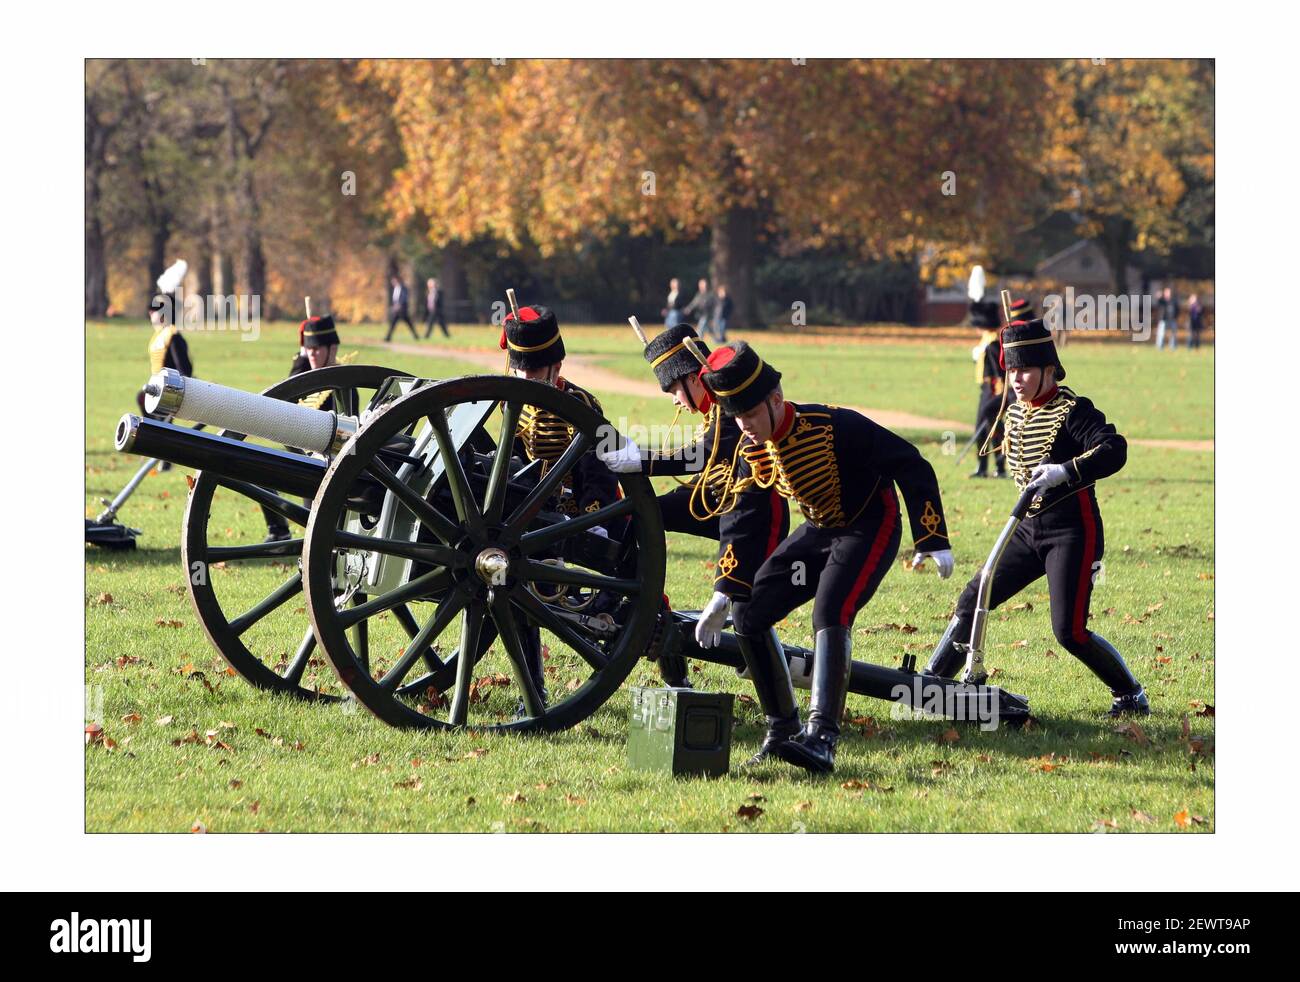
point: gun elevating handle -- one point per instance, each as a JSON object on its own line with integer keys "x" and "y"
{"x": 170, "y": 393}
{"x": 1026, "y": 499}
{"x": 185, "y": 447}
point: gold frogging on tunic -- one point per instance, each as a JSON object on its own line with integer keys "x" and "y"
{"x": 802, "y": 466}
{"x": 1031, "y": 431}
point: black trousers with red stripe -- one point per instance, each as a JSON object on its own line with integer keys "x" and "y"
{"x": 838, "y": 569}
{"x": 1065, "y": 543}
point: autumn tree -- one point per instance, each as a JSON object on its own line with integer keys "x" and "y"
{"x": 1143, "y": 136}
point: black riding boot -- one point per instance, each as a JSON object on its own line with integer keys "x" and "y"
{"x": 673, "y": 670}
{"x": 814, "y": 748}
{"x": 770, "y": 672}
{"x": 1108, "y": 665}
{"x": 947, "y": 659}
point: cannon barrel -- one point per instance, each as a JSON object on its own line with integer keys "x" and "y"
{"x": 266, "y": 467}
{"x": 169, "y": 393}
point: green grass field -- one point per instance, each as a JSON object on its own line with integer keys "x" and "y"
{"x": 154, "y": 679}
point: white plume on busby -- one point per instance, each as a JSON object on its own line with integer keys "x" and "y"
{"x": 172, "y": 276}
{"x": 975, "y": 286}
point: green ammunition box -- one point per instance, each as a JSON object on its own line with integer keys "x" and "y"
{"x": 680, "y": 731}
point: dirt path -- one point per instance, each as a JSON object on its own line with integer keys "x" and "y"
{"x": 593, "y": 376}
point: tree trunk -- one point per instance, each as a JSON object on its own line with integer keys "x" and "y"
{"x": 731, "y": 263}
{"x": 1116, "y": 235}
{"x": 453, "y": 282}
{"x": 96, "y": 266}
{"x": 96, "y": 263}
{"x": 158, "y": 238}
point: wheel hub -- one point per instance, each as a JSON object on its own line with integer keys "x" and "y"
{"x": 492, "y": 565}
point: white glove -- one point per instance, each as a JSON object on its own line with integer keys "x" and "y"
{"x": 942, "y": 559}
{"x": 625, "y": 460}
{"x": 1046, "y": 476}
{"x": 600, "y": 530}
{"x": 708, "y": 629}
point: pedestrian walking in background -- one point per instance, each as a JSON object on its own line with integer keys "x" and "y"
{"x": 399, "y": 309}
{"x": 433, "y": 310}
{"x": 1195, "y": 321}
{"x": 672, "y": 312}
{"x": 1167, "y": 319}
{"x": 700, "y": 309}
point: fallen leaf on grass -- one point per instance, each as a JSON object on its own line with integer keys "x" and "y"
{"x": 236, "y": 784}
{"x": 803, "y": 806}
{"x": 1133, "y": 732}
{"x": 948, "y": 736}
{"x": 161, "y": 622}
{"x": 1101, "y": 825}
{"x": 131, "y": 718}
{"x": 515, "y": 799}
{"x": 104, "y": 598}
{"x": 1140, "y": 816}
{"x": 748, "y": 812}
{"x": 164, "y": 721}
{"x": 411, "y": 783}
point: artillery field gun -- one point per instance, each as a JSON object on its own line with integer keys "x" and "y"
{"x": 433, "y": 564}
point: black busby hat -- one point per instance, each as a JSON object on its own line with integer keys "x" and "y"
{"x": 738, "y": 378}
{"x": 1028, "y": 344}
{"x": 1021, "y": 310}
{"x": 984, "y": 315}
{"x": 317, "y": 332}
{"x": 669, "y": 357}
{"x": 534, "y": 339}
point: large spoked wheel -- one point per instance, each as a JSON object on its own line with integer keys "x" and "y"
{"x": 478, "y": 548}
{"x": 247, "y": 592}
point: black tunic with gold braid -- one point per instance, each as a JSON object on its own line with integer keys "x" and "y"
{"x": 541, "y": 435}
{"x": 841, "y": 468}
{"x": 748, "y": 524}
{"x": 1063, "y": 429}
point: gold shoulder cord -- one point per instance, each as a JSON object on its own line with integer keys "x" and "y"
{"x": 700, "y": 508}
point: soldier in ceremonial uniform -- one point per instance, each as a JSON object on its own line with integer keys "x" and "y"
{"x": 1059, "y": 443}
{"x": 318, "y": 347}
{"x": 706, "y": 504}
{"x": 988, "y": 374}
{"x": 841, "y": 469}
{"x": 167, "y": 347}
{"x": 536, "y": 351}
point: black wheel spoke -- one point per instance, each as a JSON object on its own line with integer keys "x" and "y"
{"x": 361, "y": 635}
{"x": 543, "y": 539}
{"x": 548, "y": 485}
{"x": 258, "y": 550}
{"x": 577, "y": 576}
{"x": 426, "y": 552}
{"x": 290, "y": 588}
{"x": 504, "y": 616}
{"x": 495, "y": 499}
{"x": 293, "y": 675}
{"x": 281, "y": 506}
{"x": 548, "y": 619}
{"x": 435, "y": 521}
{"x": 419, "y": 646}
{"x": 405, "y": 618}
{"x": 415, "y": 589}
{"x": 471, "y": 626}
{"x": 466, "y": 507}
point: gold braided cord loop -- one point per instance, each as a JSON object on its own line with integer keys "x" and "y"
{"x": 803, "y": 469}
